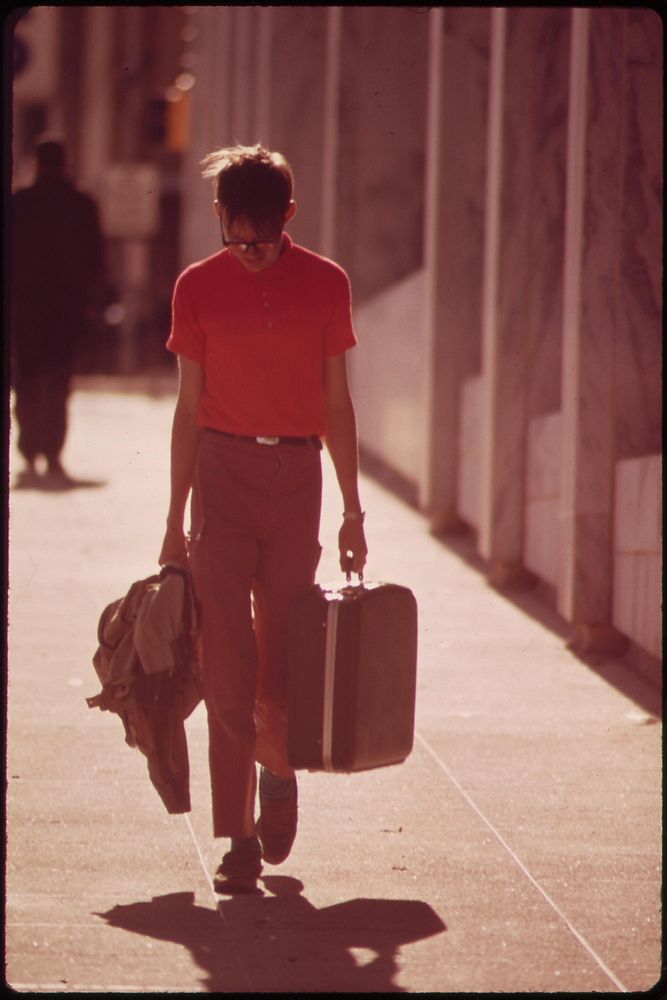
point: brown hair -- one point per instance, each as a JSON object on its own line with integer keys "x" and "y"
{"x": 251, "y": 182}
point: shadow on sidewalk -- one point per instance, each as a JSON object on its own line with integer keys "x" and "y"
{"x": 535, "y": 600}
{"x": 634, "y": 673}
{"x": 281, "y": 942}
{"x": 54, "y": 484}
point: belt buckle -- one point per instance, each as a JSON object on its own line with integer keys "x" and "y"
{"x": 267, "y": 440}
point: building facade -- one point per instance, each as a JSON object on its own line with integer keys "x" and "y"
{"x": 113, "y": 82}
{"x": 491, "y": 178}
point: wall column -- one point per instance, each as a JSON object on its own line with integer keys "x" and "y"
{"x": 437, "y": 483}
{"x": 503, "y": 357}
{"x": 95, "y": 132}
{"x": 454, "y": 239}
{"x": 263, "y": 96}
{"x": 331, "y": 126}
{"x": 590, "y": 322}
{"x": 494, "y": 162}
{"x": 571, "y": 376}
{"x": 243, "y": 83}
{"x": 210, "y": 128}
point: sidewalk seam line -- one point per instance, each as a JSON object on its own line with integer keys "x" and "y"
{"x": 202, "y": 861}
{"x": 517, "y": 860}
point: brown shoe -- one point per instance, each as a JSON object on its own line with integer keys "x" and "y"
{"x": 239, "y": 871}
{"x": 276, "y": 826}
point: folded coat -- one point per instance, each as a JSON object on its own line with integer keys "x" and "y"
{"x": 147, "y": 662}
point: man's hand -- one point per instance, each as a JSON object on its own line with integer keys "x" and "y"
{"x": 352, "y": 547}
{"x": 174, "y": 548}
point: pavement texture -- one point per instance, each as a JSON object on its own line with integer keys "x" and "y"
{"x": 518, "y": 849}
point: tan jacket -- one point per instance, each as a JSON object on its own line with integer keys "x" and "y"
{"x": 147, "y": 662}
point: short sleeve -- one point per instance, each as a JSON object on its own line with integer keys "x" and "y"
{"x": 339, "y": 332}
{"x": 186, "y": 336}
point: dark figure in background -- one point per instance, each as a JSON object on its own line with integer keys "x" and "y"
{"x": 57, "y": 266}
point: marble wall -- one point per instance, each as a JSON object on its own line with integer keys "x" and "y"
{"x": 521, "y": 343}
{"x": 242, "y": 57}
{"x": 388, "y": 368}
{"x": 381, "y": 144}
{"x": 543, "y": 460}
{"x": 469, "y": 491}
{"x": 638, "y": 340}
{"x": 297, "y": 104}
{"x": 638, "y": 551}
{"x": 613, "y": 326}
{"x": 497, "y": 189}
{"x": 459, "y": 93}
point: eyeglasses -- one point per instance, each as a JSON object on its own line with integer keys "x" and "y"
{"x": 244, "y": 245}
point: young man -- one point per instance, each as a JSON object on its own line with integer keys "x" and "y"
{"x": 261, "y": 329}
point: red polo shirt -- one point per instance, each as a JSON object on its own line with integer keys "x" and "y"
{"x": 262, "y": 338}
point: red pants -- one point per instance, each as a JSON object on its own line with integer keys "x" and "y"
{"x": 255, "y": 526}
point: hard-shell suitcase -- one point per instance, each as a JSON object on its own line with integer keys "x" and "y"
{"x": 352, "y": 677}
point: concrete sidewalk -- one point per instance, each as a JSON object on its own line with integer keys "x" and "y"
{"x": 517, "y": 850}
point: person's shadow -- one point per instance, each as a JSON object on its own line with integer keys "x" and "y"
{"x": 30, "y": 480}
{"x": 281, "y": 942}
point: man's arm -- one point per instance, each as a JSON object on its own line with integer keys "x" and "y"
{"x": 184, "y": 443}
{"x": 342, "y": 443}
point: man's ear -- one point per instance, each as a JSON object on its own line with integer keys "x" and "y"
{"x": 291, "y": 211}
{"x": 217, "y": 208}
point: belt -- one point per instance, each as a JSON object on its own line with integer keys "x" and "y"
{"x": 312, "y": 441}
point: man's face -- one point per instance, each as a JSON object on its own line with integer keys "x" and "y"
{"x": 256, "y": 249}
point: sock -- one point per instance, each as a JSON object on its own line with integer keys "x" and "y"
{"x": 245, "y": 843}
{"x": 273, "y": 787}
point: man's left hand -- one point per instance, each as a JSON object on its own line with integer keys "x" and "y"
{"x": 352, "y": 547}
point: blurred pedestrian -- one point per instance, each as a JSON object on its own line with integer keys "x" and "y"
{"x": 57, "y": 267}
{"x": 261, "y": 330}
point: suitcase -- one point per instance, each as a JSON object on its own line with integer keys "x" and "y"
{"x": 351, "y": 677}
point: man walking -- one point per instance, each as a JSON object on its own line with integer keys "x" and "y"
{"x": 260, "y": 329}
{"x": 57, "y": 264}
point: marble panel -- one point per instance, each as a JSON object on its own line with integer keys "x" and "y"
{"x": 540, "y": 554}
{"x": 637, "y": 354}
{"x": 638, "y": 505}
{"x": 209, "y": 128}
{"x": 384, "y": 62}
{"x": 465, "y": 70}
{"x": 540, "y": 547}
{"x": 503, "y": 463}
{"x": 457, "y": 163}
{"x": 533, "y": 196}
{"x": 527, "y": 320}
{"x": 296, "y": 106}
{"x": 469, "y": 479}
{"x": 648, "y": 614}
{"x": 544, "y": 457}
{"x": 388, "y": 369}
{"x": 637, "y": 599}
{"x": 585, "y": 577}
{"x": 584, "y": 591}
{"x": 624, "y": 592}
{"x": 588, "y": 433}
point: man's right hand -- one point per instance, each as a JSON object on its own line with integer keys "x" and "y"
{"x": 174, "y": 548}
